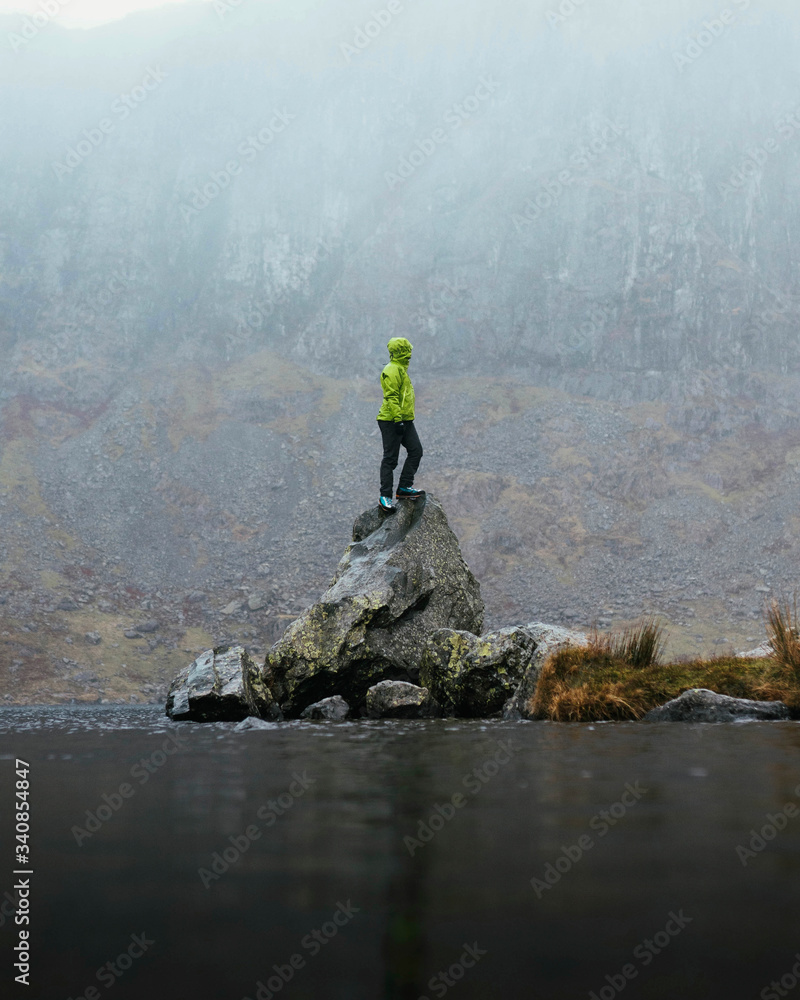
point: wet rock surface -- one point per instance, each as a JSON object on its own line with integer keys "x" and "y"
{"x": 221, "y": 685}
{"x": 400, "y": 700}
{"x": 333, "y": 709}
{"x": 252, "y": 722}
{"x": 548, "y": 639}
{"x": 402, "y": 578}
{"x": 702, "y": 705}
{"x": 474, "y": 676}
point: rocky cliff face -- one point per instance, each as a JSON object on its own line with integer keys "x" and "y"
{"x": 505, "y": 197}
{"x": 597, "y": 265}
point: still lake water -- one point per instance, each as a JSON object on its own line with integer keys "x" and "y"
{"x": 328, "y": 883}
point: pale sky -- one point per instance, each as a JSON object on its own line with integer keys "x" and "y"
{"x": 85, "y": 13}
{"x": 613, "y": 23}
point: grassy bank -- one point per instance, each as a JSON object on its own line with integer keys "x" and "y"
{"x": 618, "y": 677}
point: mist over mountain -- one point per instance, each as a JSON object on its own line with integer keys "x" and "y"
{"x": 585, "y": 217}
{"x": 485, "y": 184}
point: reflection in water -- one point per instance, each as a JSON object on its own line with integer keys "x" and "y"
{"x": 404, "y": 952}
{"x": 428, "y": 835}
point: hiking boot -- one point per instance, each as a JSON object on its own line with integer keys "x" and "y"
{"x": 408, "y": 493}
{"x": 385, "y": 503}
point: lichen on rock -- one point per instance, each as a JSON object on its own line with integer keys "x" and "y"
{"x": 402, "y": 578}
{"x": 474, "y": 676}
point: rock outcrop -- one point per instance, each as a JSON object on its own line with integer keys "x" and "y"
{"x": 549, "y": 639}
{"x": 764, "y": 649}
{"x": 222, "y": 685}
{"x": 334, "y": 709}
{"x": 702, "y": 705}
{"x": 402, "y": 578}
{"x": 474, "y": 676}
{"x": 400, "y": 700}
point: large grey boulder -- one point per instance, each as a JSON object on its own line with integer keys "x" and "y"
{"x": 549, "y": 639}
{"x": 402, "y": 578}
{"x": 222, "y": 685}
{"x": 400, "y": 700}
{"x": 702, "y": 705}
{"x": 474, "y": 676}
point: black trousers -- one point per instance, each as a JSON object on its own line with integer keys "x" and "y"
{"x": 392, "y": 439}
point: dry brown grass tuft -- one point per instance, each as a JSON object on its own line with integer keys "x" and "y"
{"x": 583, "y": 684}
{"x": 588, "y": 685}
{"x": 782, "y": 632}
{"x": 641, "y": 645}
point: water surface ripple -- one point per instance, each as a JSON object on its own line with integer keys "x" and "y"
{"x": 357, "y": 860}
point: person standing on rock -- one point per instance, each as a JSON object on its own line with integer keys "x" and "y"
{"x": 396, "y": 421}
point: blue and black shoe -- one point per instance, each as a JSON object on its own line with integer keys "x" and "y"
{"x": 385, "y": 503}
{"x": 408, "y": 493}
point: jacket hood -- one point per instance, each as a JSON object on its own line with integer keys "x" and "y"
{"x": 400, "y": 350}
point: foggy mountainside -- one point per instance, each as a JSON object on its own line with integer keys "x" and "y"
{"x": 214, "y": 216}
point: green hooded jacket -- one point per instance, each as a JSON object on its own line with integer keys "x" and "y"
{"x": 398, "y": 392}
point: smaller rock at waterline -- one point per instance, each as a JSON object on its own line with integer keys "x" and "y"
{"x": 400, "y": 700}
{"x": 333, "y": 709}
{"x": 222, "y": 685}
{"x": 702, "y": 705}
{"x": 252, "y": 722}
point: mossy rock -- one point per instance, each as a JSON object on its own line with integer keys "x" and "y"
{"x": 402, "y": 578}
{"x": 474, "y": 676}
